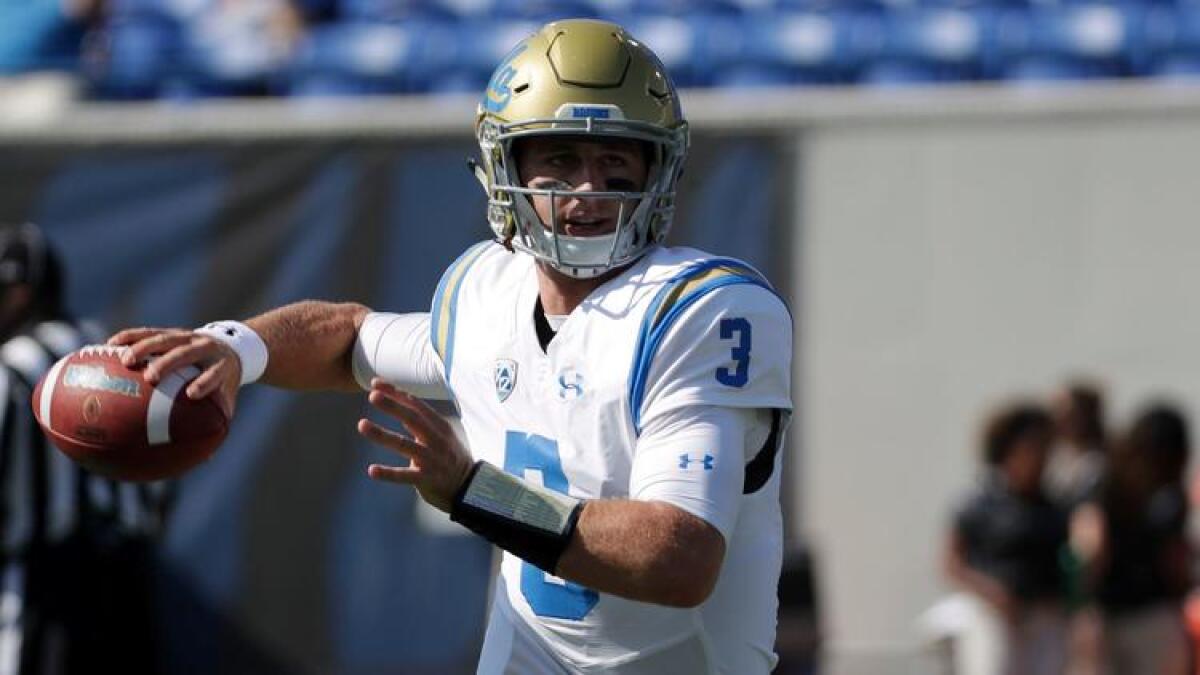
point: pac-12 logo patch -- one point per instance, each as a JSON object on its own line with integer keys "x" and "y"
{"x": 505, "y": 377}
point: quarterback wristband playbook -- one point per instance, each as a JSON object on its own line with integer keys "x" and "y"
{"x": 248, "y": 345}
{"x": 531, "y": 522}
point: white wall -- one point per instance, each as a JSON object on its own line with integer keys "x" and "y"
{"x": 951, "y": 261}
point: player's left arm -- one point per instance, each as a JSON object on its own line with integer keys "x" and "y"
{"x": 707, "y": 431}
{"x": 652, "y": 547}
{"x": 706, "y": 413}
{"x": 666, "y": 543}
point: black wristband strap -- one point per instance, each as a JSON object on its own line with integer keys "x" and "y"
{"x": 529, "y": 521}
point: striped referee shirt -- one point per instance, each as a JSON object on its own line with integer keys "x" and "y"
{"x": 45, "y": 498}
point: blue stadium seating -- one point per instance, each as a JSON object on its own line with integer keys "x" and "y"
{"x": 141, "y": 56}
{"x": 348, "y": 59}
{"x": 922, "y": 45}
{"x": 35, "y": 35}
{"x": 402, "y": 46}
{"x": 357, "y": 11}
{"x": 1172, "y": 39}
{"x": 794, "y": 47}
{"x": 1053, "y": 43}
{"x": 690, "y": 7}
{"x": 674, "y": 39}
{"x": 542, "y": 11}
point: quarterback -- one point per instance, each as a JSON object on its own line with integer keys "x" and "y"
{"x": 623, "y": 402}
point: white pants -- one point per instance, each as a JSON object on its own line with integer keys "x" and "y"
{"x": 983, "y": 644}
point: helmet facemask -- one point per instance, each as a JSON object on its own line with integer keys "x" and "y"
{"x": 643, "y": 218}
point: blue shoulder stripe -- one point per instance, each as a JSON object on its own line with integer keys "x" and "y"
{"x": 676, "y": 295}
{"x": 445, "y": 304}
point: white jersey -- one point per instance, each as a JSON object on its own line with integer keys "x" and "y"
{"x": 593, "y": 415}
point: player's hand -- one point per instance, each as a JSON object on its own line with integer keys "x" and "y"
{"x": 438, "y": 461}
{"x": 176, "y": 348}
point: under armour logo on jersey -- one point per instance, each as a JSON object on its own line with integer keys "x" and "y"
{"x": 505, "y": 377}
{"x": 686, "y": 460}
{"x": 570, "y": 385}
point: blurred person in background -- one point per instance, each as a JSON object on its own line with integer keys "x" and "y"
{"x": 1073, "y": 476}
{"x": 1076, "y": 462}
{"x": 1003, "y": 549}
{"x": 75, "y": 550}
{"x": 1143, "y": 557}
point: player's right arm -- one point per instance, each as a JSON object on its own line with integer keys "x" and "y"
{"x": 310, "y": 345}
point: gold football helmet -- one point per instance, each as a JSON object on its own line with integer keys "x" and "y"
{"x": 581, "y": 77}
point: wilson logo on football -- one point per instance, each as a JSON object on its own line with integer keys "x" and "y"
{"x": 96, "y": 379}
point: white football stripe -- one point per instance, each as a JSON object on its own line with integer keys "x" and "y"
{"x": 48, "y": 387}
{"x": 162, "y": 399}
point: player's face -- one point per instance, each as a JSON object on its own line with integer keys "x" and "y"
{"x": 582, "y": 165}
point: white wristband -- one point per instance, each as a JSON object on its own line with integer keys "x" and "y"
{"x": 250, "y": 348}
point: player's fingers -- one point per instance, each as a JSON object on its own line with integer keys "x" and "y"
{"x": 132, "y": 335}
{"x": 209, "y": 381}
{"x": 430, "y": 420}
{"x": 390, "y": 439}
{"x": 405, "y": 475}
{"x": 158, "y": 343}
{"x": 180, "y": 355}
{"x": 388, "y": 403}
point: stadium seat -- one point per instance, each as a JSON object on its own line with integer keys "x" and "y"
{"x": 673, "y": 38}
{"x": 36, "y": 36}
{"x": 685, "y": 8}
{"x": 922, "y": 45}
{"x": 542, "y": 11}
{"x": 810, "y": 47}
{"x": 126, "y": 8}
{"x": 219, "y": 62}
{"x": 356, "y": 11}
{"x": 348, "y": 59}
{"x": 140, "y": 56}
{"x": 1172, "y": 39}
{"x": 1054, "y": 43}
{"x": 839, "y": 5}
{"x": 484, "y": 43}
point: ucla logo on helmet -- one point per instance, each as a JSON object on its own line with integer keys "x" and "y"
{"x": 499, "y": 91}
{"x": 505, "y": 377}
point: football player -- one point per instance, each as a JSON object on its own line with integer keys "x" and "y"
{"x": 623, "y": 402}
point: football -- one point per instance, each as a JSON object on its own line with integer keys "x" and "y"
{"x": 106, "y": 417}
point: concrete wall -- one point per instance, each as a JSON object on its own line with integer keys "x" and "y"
{"x": 949, "y": 261}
